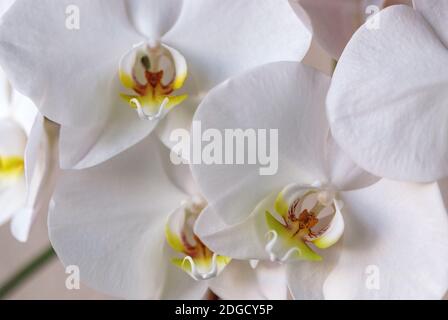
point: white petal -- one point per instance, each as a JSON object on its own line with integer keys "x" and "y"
{"x": 272, "y": 279}
{"x": 15, "y": 143}
{"x": 178, "y": 118}
{"x": 436, "y": 14}
{"x": 245, "y": 240}
{"x": 153, "y": 18}
{"x": 393, "y": 123}
{"x": 287, "y": 97}
{"x": 219, "y": 40}
{"x": 84, "y": 147}
{"x": 238, "y": 281}
{"x": 24, "y": 111}
{"x": 344, "y": 173}
{"x": 5, "y": 95}
{"x": 178, "y": 285}
{"x": 242, "y": 241}
{"x": 110, "y": 221}
{"x": 306, "y": 279}
{"x": 5, "y": 5}
{"x": 42, "y": 171}
{"x": 395, "y": 244}
{"x": 12, "y": 198}
{"x": 67, "y": 72}
{"x": 12, "y": 188}
{"x": 180, "y": 175}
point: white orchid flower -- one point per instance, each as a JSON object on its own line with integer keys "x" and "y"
{"x": 28, "y": 160}
{"x": 108, "y": 64}
{"x": 128, "y": 224}
{"x": 328, "y": 221}
{"x": 387, "y": 103}
{"x": 333, "y": 22}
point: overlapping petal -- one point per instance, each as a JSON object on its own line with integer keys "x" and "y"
{"x": 67, "y": 72}
{"x": 244, "y": 34}
{"x": 395, "y": 244}
{"x": 239, "y": 281}
{"x": 110, "y": 221}
{"x": 260, "y": 99}
{"x": 42, "y": 171}
{"x": 436, "y": 13}
{"x": 153, "y": 18}
{"x": 387, "y": 102}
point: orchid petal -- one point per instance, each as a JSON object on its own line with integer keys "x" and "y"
{"x": 436, "y": 14}
{"x": 42, "y": 170}
{"x": 5, "y": 5}
{"x": 15, "y": 144}
{"x": 84, "y": 147}
{"x": 229, "y": 45}
{"x": 12, "y": 182}
{"x": 395, "y": 244}
{"x": 110, "y": 220}
{"x": 306, "y": 279}
{"x": 12, "y": 198}
{"x": 239, "y": 281}
{"x": 334, "y": 231}
{"x": 279, "y": 88}
{"x": 153, "y": 18}
{"x": 393, "y": 131}
{"x": 344, "y": 173}
{"x": 272, "y": 280}
{"x": 5, "y": 95}
{"x": 38, "y": 55}
{"x": 178, "y": 285}
{"x": 23, "y": 111}
{"x": 244, "y": 241}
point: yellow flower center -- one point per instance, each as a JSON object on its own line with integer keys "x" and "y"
{"x": 193, "y": 256}
{"x": 11, "y": 167}
{"x": 303, "y": 219}
{"x": 153, "y": 75}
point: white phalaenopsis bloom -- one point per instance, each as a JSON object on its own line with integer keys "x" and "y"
{"x": 109, "y": 63}
{"x": 341, "y": 232}
{"x": 28, "y": 157}
{"x": 128, "y": 224}
{"x": 28, "y": 160}
{"x": 387, "y": 104}
{"x": 333, "y": 22}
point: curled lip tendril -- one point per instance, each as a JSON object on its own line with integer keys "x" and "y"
{"x": 196, "y": 274}
{"x": 273, "y": 236}
{"x": 144, "y": 116}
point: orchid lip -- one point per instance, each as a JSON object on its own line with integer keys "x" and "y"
{"x": 152, "y": 74}
{"x": 196, "y": 274}
{"x": 191, "y": 254}
{"x": 270, "y": 248}
{"x": 142, "y": 115}
{"x": 303, "y": 219}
